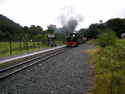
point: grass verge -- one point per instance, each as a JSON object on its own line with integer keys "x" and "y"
{"x": 109, "y": 67}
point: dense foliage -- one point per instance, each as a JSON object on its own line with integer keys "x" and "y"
{"x": 10, "y": 30}
{"x": 93, "y": 30}
{"x": 107, "y": 38}
{"x": 116, "y": 24}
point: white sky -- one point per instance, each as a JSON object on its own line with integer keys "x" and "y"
{"x": 46, "y": 12}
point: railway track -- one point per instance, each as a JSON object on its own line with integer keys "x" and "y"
{"x": 23, "y": 65}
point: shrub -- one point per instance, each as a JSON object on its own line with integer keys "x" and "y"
{"x": 107, "y": 37}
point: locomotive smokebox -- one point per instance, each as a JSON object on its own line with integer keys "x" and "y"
{"x": 74, "y": 39}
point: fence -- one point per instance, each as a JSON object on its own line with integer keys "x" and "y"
{"x": 21, "y": 46}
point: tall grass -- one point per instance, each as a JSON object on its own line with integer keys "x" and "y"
{"x": 109, "y": 66}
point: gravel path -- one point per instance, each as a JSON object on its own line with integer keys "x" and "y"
{"x": 67, "y": 73}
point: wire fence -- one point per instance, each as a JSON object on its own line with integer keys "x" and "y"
{"x": 20, "y": 46}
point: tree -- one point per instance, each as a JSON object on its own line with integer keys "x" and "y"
{"x": 101, "y": 26}
{"x": 88, "y": 34}
{"x": 51, "y": 28}
{"x": 82, "y": 31}
{"x": 25, "y": 29}
{"x": 118, "y": 25}
{"x": 37, "y": 37}
{"x": 40, "y": 28}
{"x": 3, "y": 27}
{"x": 94, "y": 30}
{"x": 18, "y": 29}
{"x": 25, "y": 36}
{"x": 2, "y": 35}
{"x": 58, "y": 36}
{"x": 33, "y": 30}
{"x": 107, "y": 38}
{"x": 7, "y": 29}
{"x": 13, "y": 31}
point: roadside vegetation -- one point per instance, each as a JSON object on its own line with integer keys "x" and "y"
{"x": 108, "y": 63}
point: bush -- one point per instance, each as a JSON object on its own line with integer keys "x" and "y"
{"x": 93, "y": 41}
{"x": 107, "y": 37}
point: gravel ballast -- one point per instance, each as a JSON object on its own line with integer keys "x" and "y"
{"x": 67, "y": 73}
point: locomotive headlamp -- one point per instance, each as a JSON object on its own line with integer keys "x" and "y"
{"x": 73, "y": 35}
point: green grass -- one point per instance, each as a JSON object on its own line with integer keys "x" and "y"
{"x": 5, "y": 47}
{"x": 109, "y": 67}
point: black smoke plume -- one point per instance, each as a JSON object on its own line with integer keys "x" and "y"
{"x": 72, "y": 23}
{"x": 69, "y": 20}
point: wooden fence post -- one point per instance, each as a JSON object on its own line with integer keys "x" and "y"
{"x": 43, "y": 43}
{"x": 27, "y": 45}
{"x": 62, "y": 41}
{"x": 48, "y": 42}
{"x": 20, "y": 46}
{"x": 38, "y": 45}
{"x": 33, "y": 45}
{"x": 10, "y": 47}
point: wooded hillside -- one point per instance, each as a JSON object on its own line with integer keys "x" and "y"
{"x": 9, "y": 30}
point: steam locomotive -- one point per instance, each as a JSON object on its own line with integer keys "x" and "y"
{"x": 74, "y": 39}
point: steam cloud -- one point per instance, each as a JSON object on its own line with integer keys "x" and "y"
{"x": 69, "y": 19}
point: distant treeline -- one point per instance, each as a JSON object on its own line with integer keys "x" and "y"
{"x": 116, "y": 24}
{"x": 10, "y": 30}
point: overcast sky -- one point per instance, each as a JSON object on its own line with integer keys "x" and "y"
{"x": 46, "y": 12}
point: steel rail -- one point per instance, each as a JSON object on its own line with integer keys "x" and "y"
{"x": 33, "y": 60}
{"x": 29, "y": 60}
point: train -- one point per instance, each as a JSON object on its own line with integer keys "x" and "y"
{"x": 74, "y": 39}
